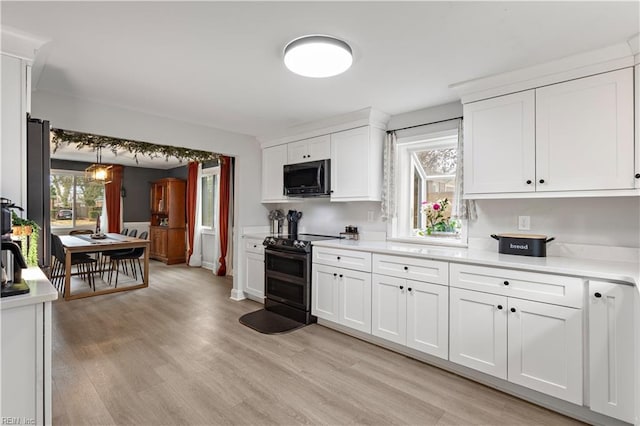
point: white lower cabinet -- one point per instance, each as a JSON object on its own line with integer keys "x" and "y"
{"x": 611, "y": 351}
{"x": 254, "y": 273}
{"x": 545, "y": 348}
{"x": 411, "y": 313}
{"x": 253, "y": 268}
{"x": 523, "y": 327}
{"x": 533, "y": 344}
{"x": 342, "y": 296}
{"x": 478, "y": 331}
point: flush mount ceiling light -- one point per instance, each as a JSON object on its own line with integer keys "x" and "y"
{"x": 317, "y": 56}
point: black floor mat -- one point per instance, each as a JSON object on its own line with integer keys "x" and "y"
{"x": 268, "y": 322}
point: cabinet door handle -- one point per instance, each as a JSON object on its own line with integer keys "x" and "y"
{"x": 506, "y": 283}
{"x": 401, "y": 287}
{"x": 528, "y": 181}
{"x": 409, "y": 289}
{"x": 637, "y": 175}
{"x": 406, "y": 268}
{"x": 499, "y": 307}
{"x": 254, "y": 246}
{"x": 513, "y": 309}
{"x": 597, "y": 295}
{"x": 541, "y": 181}
{"x": 335, "y": 275}
{"x": 340, "y": 275}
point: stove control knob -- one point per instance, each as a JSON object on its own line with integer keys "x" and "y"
{"x": 299, "y": 244}
{"x": 270, "y": 241}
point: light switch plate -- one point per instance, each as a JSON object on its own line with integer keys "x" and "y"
{"x": 524, "y": 223}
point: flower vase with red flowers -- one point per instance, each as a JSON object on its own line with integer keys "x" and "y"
{"x": 438, "y": 219}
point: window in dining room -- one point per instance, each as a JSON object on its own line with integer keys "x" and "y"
{"x": 75, "y": 200}
{"x": 209, "y": 195}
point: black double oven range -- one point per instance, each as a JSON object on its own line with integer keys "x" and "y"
{"x": 287, "y": 261}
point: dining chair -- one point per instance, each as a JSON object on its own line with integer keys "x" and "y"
{"x": 81, "y": 260}
{"x": 108, "y": 253}
{"x": 133, "y": 255}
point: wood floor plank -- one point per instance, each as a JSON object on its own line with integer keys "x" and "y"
{"x": 175, "y": 353}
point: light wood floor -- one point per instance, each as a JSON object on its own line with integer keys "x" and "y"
{"x": 175, "y": 353}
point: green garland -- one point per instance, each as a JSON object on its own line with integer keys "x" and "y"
{"x": 86, "y": 140}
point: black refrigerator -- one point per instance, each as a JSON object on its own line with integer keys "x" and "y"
{"x": 38, "y": 183}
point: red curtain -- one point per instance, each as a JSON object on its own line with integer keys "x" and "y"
{"x": 225, "y": 177}
{"x": 192, "y": 193}
{"x": 112, "y": 196}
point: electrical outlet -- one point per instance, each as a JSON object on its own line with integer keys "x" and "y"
{"x": 524, "y": 223}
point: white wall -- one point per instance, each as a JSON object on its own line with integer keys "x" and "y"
{"x": 91, "y": 117}
{"x": 320, "y": 216}
{"x": 597, "y": 221}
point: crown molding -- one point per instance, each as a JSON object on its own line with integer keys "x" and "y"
{"x": 20, "y": 44}
{"x": 363, "y": 117}
{"x": 609, "y": 58}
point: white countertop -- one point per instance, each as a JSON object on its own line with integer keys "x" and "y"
{"x": 258, "y": 235}
{"x": 622, "y": 272}
{"x": 40, "y": 287}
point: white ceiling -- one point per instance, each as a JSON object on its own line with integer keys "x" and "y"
{"x": 220, "y": 63}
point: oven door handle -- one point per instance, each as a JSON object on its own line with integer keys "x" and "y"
{"x": 294, "y": 256}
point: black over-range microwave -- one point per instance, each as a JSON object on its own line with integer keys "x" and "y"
{"x": 310, "y": 179}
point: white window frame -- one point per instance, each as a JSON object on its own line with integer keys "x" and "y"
{"x": 211, "y": 230}
{"x": 75, "y": 174}
{"x": 401, "y": 228}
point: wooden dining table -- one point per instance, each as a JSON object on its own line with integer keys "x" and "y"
{"x": 85, "y": 244}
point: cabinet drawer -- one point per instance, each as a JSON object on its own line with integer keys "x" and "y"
{"x": 556, "y": 289}
{"x": 253, "y": 245}
{"x": 412, "y": 268}
{"x": 350, "y": 259}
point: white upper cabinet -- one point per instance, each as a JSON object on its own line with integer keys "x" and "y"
{"x": 499, "y": 146}
{"x": 584, "y": 133}
{"x": 562, "y": 138}
{"x": 273, "y": 161}
{"x": 309, "y": 150}
{"x": 356, "y": 164}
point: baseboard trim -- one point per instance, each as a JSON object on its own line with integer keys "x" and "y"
{"x": 208, "y": 265}
{"x": 581, "y": 413}
{"x": 237, "y": 295}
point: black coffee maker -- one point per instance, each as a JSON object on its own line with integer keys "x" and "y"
{"x": 12, "y": 260}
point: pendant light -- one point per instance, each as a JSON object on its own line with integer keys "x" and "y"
{"x": 318, "y": 56}
{"x": 99, "y": 172}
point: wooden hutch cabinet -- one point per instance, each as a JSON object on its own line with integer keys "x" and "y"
{"x": 168, "y": 225}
